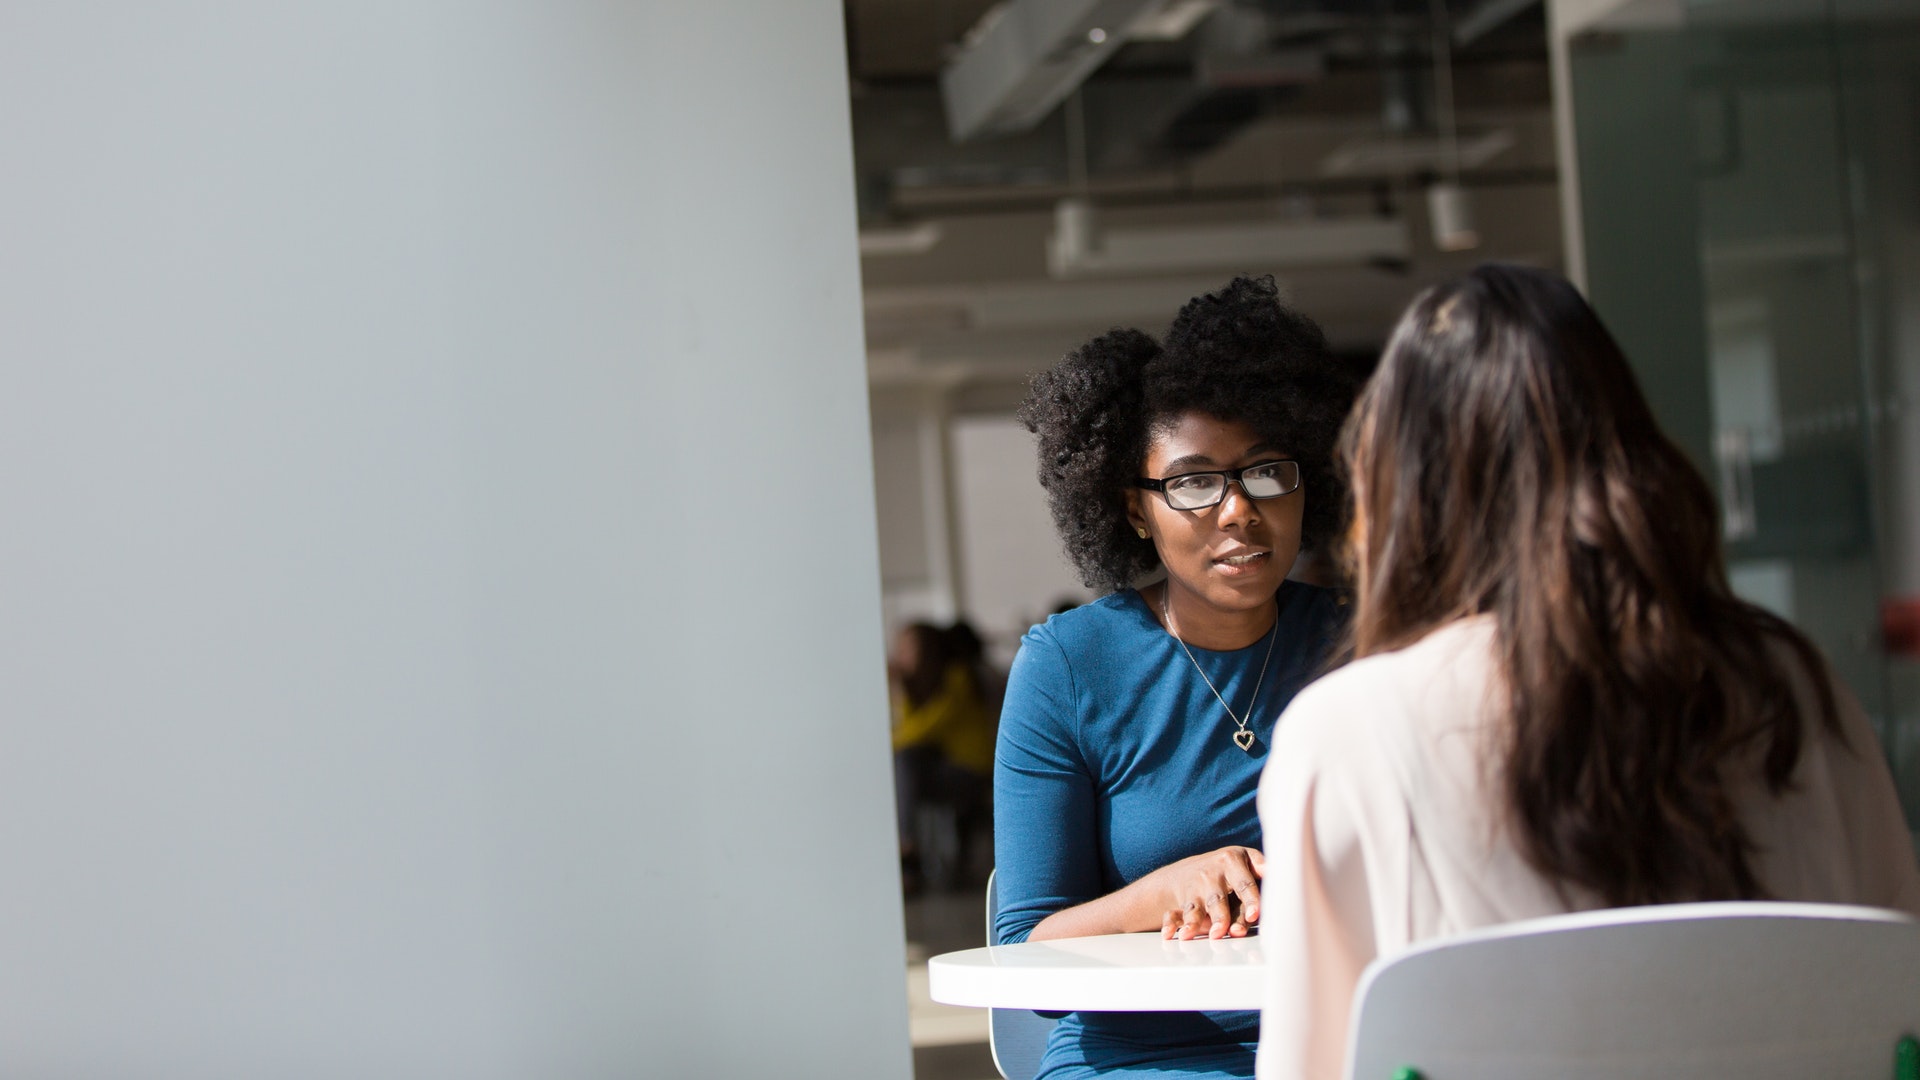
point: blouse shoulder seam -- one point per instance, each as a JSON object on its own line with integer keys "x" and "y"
{"x": 1073, "y": 695}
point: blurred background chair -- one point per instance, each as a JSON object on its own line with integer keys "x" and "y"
{"x": 1018, "y": 1036}
{"x": 1761, "y": 991}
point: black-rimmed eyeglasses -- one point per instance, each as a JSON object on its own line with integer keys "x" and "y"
{"x": 1199, "y": 490}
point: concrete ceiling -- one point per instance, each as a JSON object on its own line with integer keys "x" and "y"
{"x": 975, "y": 310}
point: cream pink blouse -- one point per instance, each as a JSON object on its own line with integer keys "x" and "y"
{"x": 1382, "y": 828}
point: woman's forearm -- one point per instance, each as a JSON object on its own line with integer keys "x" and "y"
{"x": 1213, "y": 894}
{"x": 1130, "y": 909}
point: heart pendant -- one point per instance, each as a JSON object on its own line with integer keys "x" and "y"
{"x": 1244, "y": 739}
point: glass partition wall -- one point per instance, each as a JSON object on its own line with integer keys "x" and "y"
{"x": 1751, "y": 210}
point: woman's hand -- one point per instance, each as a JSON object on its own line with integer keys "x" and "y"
{"x": 1215, "y": 894}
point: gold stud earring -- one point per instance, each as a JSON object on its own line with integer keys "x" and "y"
{"x": 1142, "y": 532}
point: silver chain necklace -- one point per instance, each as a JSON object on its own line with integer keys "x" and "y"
{"x": 1242, "y": 737}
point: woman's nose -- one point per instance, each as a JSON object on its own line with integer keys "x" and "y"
{"x": 1236, "y": 508}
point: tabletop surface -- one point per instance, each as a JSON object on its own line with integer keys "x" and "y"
{"x": 1112, "y": 973}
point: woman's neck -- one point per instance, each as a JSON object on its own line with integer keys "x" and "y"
{"x": 1207, "y": 626}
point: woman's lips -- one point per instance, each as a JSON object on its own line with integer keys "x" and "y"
{"x": 1244, "y": 562}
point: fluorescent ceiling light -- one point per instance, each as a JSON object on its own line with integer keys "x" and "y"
{"x": 908, "y": 240}
{"x": 1389, "y": 156}
{"x": 1079, "y": 247}
{"x": 1033, "y": 303}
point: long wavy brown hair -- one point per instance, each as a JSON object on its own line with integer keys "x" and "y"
{"x": 1504, "y": 461}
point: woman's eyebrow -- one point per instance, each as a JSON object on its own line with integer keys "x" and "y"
{"x": 1190, "y": 459}
{"x": 1256, "y": 450}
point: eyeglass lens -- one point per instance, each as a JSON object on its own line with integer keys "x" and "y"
{"x": 1195, "y": 491}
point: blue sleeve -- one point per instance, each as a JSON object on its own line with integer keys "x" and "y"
{"x": 1044, "y": 835}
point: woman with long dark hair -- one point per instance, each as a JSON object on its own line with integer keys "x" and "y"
{"x": 1555, "y": 701}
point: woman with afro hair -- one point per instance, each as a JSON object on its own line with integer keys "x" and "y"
{"x": 1185, "y": 479}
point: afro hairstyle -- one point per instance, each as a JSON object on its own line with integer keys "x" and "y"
{"x": 1239, "y": 355}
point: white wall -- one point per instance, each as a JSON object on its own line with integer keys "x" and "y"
{"x": 1014, "y": 568}
{"x": 411, "y": 661}
{"x": 964, "y": 527}
{"x": 918, "y": 579}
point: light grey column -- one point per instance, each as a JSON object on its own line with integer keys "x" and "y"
{"x": 439, "y": 611}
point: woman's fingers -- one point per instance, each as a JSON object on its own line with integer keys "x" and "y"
{"x": 1246, "y": 884}
{"x": 1175, "y": 926}
{"x": 1193, "y": 920}
{"x": 1215, "y": 895}
{"x": 1219, "y": 918}
{"x": 1241, "y": 876}
{"x": 1247, "y": 890}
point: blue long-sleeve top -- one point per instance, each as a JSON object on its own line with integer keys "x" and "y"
{"x": 1113, "y": 760}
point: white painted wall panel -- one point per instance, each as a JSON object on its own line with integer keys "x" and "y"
{"x": 1014, "y": 568}
{"x": 412, "y": 662}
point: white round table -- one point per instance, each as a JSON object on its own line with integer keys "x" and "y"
{"x": 1114, "y": 973}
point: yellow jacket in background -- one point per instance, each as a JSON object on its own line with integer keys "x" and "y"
{"x": 954, "y": 720}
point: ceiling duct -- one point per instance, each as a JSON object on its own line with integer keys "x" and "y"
{"x": 1025, "y": 56}
{"x": 1080, "y": 247}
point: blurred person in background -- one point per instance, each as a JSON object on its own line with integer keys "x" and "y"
{"x": 966, "y": 648}
{"x": 1558, "y": 704}
{"x": 1184, "y": 480}
{"x": 942, "y": 734}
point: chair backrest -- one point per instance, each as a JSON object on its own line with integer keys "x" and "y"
{"x": 1757, "y": 991}
{"x": 1017, "y": 1037}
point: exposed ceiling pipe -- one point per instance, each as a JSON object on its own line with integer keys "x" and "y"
{"x": 1484, "y": 16}
{"x": 1449, "y": 207}
{"x": 1025, "y": 56}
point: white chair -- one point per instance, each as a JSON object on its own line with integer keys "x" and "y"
{"x": 1016, "y": 1037}
{"x": 1753, "y": 991}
